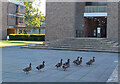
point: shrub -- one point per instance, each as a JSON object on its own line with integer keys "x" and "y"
{"x": 27, "y": 37}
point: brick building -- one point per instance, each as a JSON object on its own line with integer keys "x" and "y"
{"x": 12, "y": 16}
{"x": 82, "y": 19}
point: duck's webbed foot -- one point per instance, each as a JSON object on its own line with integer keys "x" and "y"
{"x": 27, "y": 72}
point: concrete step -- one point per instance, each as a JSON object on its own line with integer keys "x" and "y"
{"x": 85, "y": 42}
{"x": 89, "y": 47}
{"x": 81, "y": 43}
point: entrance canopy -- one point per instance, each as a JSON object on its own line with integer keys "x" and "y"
{"x": 95, "y": 14}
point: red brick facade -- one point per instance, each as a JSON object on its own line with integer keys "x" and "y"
{"x": 16, "y": 18}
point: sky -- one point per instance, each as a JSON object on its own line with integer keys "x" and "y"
{"x": 41, "y": 5}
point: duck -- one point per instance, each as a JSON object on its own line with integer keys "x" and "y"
{"x": 59, "y": 64}
{"x": 39, "y": 67}
{"x": 89, "y": 63}
{"x": 67, "y": 63}
{"x": 65, "y": 67}
{"x": 76, "y": 60}
{"x": 27, "y": 69}
{"x": 93, "y": 60}
{"x": 79, "y": 62}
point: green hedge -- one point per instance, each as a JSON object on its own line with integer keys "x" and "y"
{"x": 27, "y": 37}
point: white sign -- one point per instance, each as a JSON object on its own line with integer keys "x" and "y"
{"x": 98, "y": 30}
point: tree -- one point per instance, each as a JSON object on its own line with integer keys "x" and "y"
{"x": 33, "y": 16}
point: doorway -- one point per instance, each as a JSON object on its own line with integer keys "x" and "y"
{"x": 10, "y": 31}
{"x": 96, "y": 27}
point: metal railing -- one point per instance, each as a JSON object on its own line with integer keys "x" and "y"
{"x": 95, "y": 9}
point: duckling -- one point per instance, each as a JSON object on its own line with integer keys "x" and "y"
{"x": 67, "y": 63}
{"x": 27, "y": 69}
{"x": 59, "y": 64}
{"x": 89, "y": 63}
{"x": 39, "y": 67}
{"x": 93, "y": 60}
{"x": 76, "y": 60}
{"x": 79, "y": 62}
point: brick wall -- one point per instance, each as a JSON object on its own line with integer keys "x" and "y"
{"x": 4, "y": 20}
{"x": 0, "y": 20}
{"x": 112, "y": 25}
{"x": 11, "y": 8}
{"x": 79, "y": 18}
{"x": 119, "y": 22}
{"x": 62, "y": 19}
{"x": 11, "y": 20}
{"x": 10, "y": 31}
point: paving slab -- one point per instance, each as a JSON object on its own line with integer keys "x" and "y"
{"x": 114, "y": 76}
{"x": 15, "y": 59}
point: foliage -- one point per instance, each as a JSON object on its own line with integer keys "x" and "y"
{"x": 27, "y": 37}
{"x": 33, "y": 16}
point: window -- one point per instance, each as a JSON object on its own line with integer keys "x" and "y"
{"x": 12, "y": 17}
{"x": 96, "y": 3}
{"x": 16, "y": 20}
{"x": 21, "y": 20}
{"x": 16, "y": 8}
{"x": 21, "y": 8}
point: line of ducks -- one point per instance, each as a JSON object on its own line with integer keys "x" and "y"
{"x": 66, "y": 65}
{"x": 78, "y": 61}
{"x": 39, "y": 67}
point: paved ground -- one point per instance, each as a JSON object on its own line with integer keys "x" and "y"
{"x": 15, "y": 59}
{"x": 114, "y": 76}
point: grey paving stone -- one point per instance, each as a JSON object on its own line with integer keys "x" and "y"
{"x": 15, "y": 59}
{"x": 114, "y": 76}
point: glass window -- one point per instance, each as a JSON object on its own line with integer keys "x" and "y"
{"x": 96, "y": 3}
{"x": 21, "y": 20}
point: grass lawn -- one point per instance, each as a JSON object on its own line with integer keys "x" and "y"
{"x": 4, "y": 43}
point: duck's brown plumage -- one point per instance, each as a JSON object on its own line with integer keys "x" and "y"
{"x": 79, "y": 62}
{"x": 27, "y": 69}
{"x": 41, "y": 66}
{"x": 89, "y": 63}
{"x": 59, "y": 64}
{"x": 67, "y": 63}
{"x": 75, "y": 61}
{"x": 64, "y": 67}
